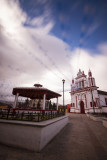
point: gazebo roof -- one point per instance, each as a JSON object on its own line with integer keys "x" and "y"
{"x": 36, "y": 92}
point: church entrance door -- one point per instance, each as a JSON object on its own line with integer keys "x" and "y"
{"x": 82, "y": 107}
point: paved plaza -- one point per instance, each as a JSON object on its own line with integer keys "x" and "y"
{"x": 81, "y": 139}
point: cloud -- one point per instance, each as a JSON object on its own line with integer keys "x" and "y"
{"x": 93, "y": 28}
{"x": 86, "y": 32}
{"x": 30, "y": 55}
{"x": 85, "y": 59}
{"x": 11, "y": 16}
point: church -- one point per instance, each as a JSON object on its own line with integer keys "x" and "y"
{"x": 85, "y": 96}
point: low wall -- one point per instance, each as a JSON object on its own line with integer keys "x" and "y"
{"x": 104, "y": 109}
{"x": 100, "y": 119}
{"x": 88, "y": 115}
{"x": 95, "y": 118}
{"x": 74, "y": 110}
{"x": 104, "y": 122}
{"x": 30, "y": 135}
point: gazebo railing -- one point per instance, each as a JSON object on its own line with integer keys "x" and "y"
{"x": 31, "y": 116}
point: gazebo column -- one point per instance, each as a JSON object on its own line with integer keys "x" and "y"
{"x": 57, "y": 104}
{"x": 44, "y": 97}
{"x": 16, "y": 99}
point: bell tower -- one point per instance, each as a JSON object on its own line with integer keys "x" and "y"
{"x": 89, "y": 73}
{"x": 91, "y": 80}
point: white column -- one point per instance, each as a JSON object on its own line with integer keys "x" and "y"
{"x": 16, "y": 99}
{"x": 44, "y": 97}
{"x": 57, "y": 103}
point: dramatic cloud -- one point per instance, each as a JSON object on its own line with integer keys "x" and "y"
{"x": 96, "y": 62}
{"x": 30, "y": 54}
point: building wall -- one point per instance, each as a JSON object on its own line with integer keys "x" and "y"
{"x": 68, "y": 108}
{"x": 86, "y": 97}
{"x": 82, "y": 89}
{"x": 102, "y": 100}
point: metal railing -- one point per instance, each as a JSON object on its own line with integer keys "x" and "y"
{"x": 31, "y": 116}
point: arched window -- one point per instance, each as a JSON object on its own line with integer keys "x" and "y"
{"x": 83, "y": 83}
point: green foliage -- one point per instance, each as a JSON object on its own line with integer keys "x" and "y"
{"x": 50, "y": 105}
{"x": 38, "y": 104}
{"x": 54, "y": 106}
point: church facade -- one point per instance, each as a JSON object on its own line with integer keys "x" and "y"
{"x": 85, "y": 96}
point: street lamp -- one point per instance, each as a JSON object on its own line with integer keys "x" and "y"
{"x": 92, "y": 101}
{"x": 63, "y": 91}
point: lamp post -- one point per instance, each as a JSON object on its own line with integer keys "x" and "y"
{"x": 92, "y": 101}
{"x": 63, "y": 91}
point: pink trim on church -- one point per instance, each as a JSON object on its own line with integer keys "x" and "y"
{"x": 83, "y": 88}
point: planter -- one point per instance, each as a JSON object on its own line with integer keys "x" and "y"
{"x": 33, "y": 136}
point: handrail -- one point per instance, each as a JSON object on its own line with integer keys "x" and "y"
{"x": 30, "y": 116}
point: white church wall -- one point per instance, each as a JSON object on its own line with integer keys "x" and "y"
{"x": 102, "y": 99}
{"x": 77, "y": 110}
{"x": 89, "y": 99}
{"x": 72, "y": 99}
{"x": 86, "y": 82}
{"x": 104, "y": 109}
{"x": 95, "y": 94}
{"x": 81, "y": 88}
{"x": 72, "y": 110}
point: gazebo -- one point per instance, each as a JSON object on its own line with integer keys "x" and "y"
{"x": 36, "y": 92}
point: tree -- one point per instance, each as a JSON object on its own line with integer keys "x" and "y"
{"x": 50, "y": 105}
{"x": 38, "y": 104}
{"x": 54, "y": 106}
{"x": 27, "y": 102}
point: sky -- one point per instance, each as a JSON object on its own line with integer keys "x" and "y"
{"x": 45, "y": 41}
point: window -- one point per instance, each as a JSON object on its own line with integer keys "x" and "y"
{"x": 90, "y": 104}
{"x": 83, "y": 83}
{"x": 79, "y": 84}
{"x": 97, "y": 102}
{"x": 73, "y": 104}
{"x": 106, "y": 101}
{"x": 94, "y": 104}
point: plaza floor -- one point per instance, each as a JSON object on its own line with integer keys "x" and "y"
{"x": 81, "y": 139}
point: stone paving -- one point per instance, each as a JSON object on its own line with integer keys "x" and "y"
{"x": 81, "y": 139}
